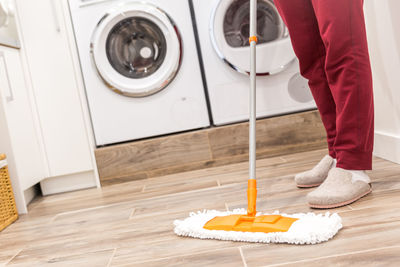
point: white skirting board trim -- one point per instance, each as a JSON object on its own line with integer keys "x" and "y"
{"x": 31, "y": 193}
{"x": 67, "y": 183}
{"x": 387, "y": 146}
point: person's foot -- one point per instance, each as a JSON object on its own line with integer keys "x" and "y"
{"x": 340, "y": 188}
{"x": 316, "y": 175}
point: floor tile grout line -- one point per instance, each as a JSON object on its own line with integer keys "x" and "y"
{"x": 132, "y": 213}
{"x": 52, "y": 219}
{"x": 184, "y": 255}
{"x": 111, "y": 258}
{"x": 283, "y": 159}
{"x": 331, "y": 256}
{"x": 226, "y": 206}
{"x": 242, "y": 256}
{"x": 91, "y": 208}
{"x": 140, "y": 199}
{"x": 19, "y": 251}
{"x": 176, "y": 194}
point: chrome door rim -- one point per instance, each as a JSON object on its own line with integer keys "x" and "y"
{"x": 116, "y": 13}
{"x": 229, "y": 63}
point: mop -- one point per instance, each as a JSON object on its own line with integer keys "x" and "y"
{"x": 250, "y": 225}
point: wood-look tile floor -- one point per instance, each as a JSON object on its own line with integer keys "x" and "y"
{"x": 130, "y": 224}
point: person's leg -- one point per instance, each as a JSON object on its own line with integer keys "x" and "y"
{"x": 308, "y": 46}
{"x": 347, "y": 66}
{"x": 342, "y": 27}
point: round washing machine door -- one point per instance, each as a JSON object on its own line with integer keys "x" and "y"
{"x": 229, "y": 30}
{"x": 136, "y": 49}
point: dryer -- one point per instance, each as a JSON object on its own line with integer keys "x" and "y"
{"x": 140, "y": 68}
{"x": 223, "y": 31}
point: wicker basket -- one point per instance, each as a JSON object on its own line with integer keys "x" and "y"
{"x": 8, "y": 209}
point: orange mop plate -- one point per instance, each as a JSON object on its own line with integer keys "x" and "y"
{"x": 245, "y": 223}
{"x": 250, "y": 222}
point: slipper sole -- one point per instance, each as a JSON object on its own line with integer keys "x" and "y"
{"x": 341, "y": 203}
{"x": 308, "y": 185}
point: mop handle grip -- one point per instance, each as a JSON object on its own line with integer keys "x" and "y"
{"x": 251, "y": 197}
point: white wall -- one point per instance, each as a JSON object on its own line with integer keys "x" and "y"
{"x": 383, "y": 31}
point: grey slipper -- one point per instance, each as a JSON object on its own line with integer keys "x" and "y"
{"x": 337, "y": 190}
{"x": 316, "y": 175}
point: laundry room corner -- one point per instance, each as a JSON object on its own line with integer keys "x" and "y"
{"x": 199, "y": 133}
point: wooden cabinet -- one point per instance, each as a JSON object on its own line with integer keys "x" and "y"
{"x": 19, "y": 138}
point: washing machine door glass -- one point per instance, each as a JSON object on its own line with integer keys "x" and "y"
{"x": 236, "y": 23}
{"x": 230, "y": 35}
{"x": 136, "y": 49}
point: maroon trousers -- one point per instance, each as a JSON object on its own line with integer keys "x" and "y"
{"x": 329, "y": 39}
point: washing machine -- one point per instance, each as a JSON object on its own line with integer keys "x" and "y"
{"x": 140, "y": 68}
{"x": 223, "y": 31}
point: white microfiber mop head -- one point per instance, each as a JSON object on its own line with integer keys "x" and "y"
{"x": 309, "y": 229}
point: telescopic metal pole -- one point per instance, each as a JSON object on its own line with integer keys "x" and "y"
{"x": 252, "y": 130}
{"x": 252, "y": 185}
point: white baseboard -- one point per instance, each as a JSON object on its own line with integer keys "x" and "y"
{"x": 67, "y": 183}
{"x": 387, "y": 146}
{"x": 31, "y": 193}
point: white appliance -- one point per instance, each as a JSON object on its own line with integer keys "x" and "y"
{"x": 140, "y": 68}
{"x": 223, "y": 30}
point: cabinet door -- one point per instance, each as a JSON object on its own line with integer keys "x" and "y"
{"x": 16, "y": 106}
{"x": 46, "y": 47}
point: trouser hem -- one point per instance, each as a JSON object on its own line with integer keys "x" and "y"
{"x": 354, "y": 160}
{"x": 332, "y": 153}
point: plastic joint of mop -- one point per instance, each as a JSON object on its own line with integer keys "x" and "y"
{"x": 253, "y": 39}
{"x": 251, "y": 222}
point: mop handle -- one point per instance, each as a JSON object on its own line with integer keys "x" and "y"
{"x": 252, "y": 185}
{"x": 252, "y": 127}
